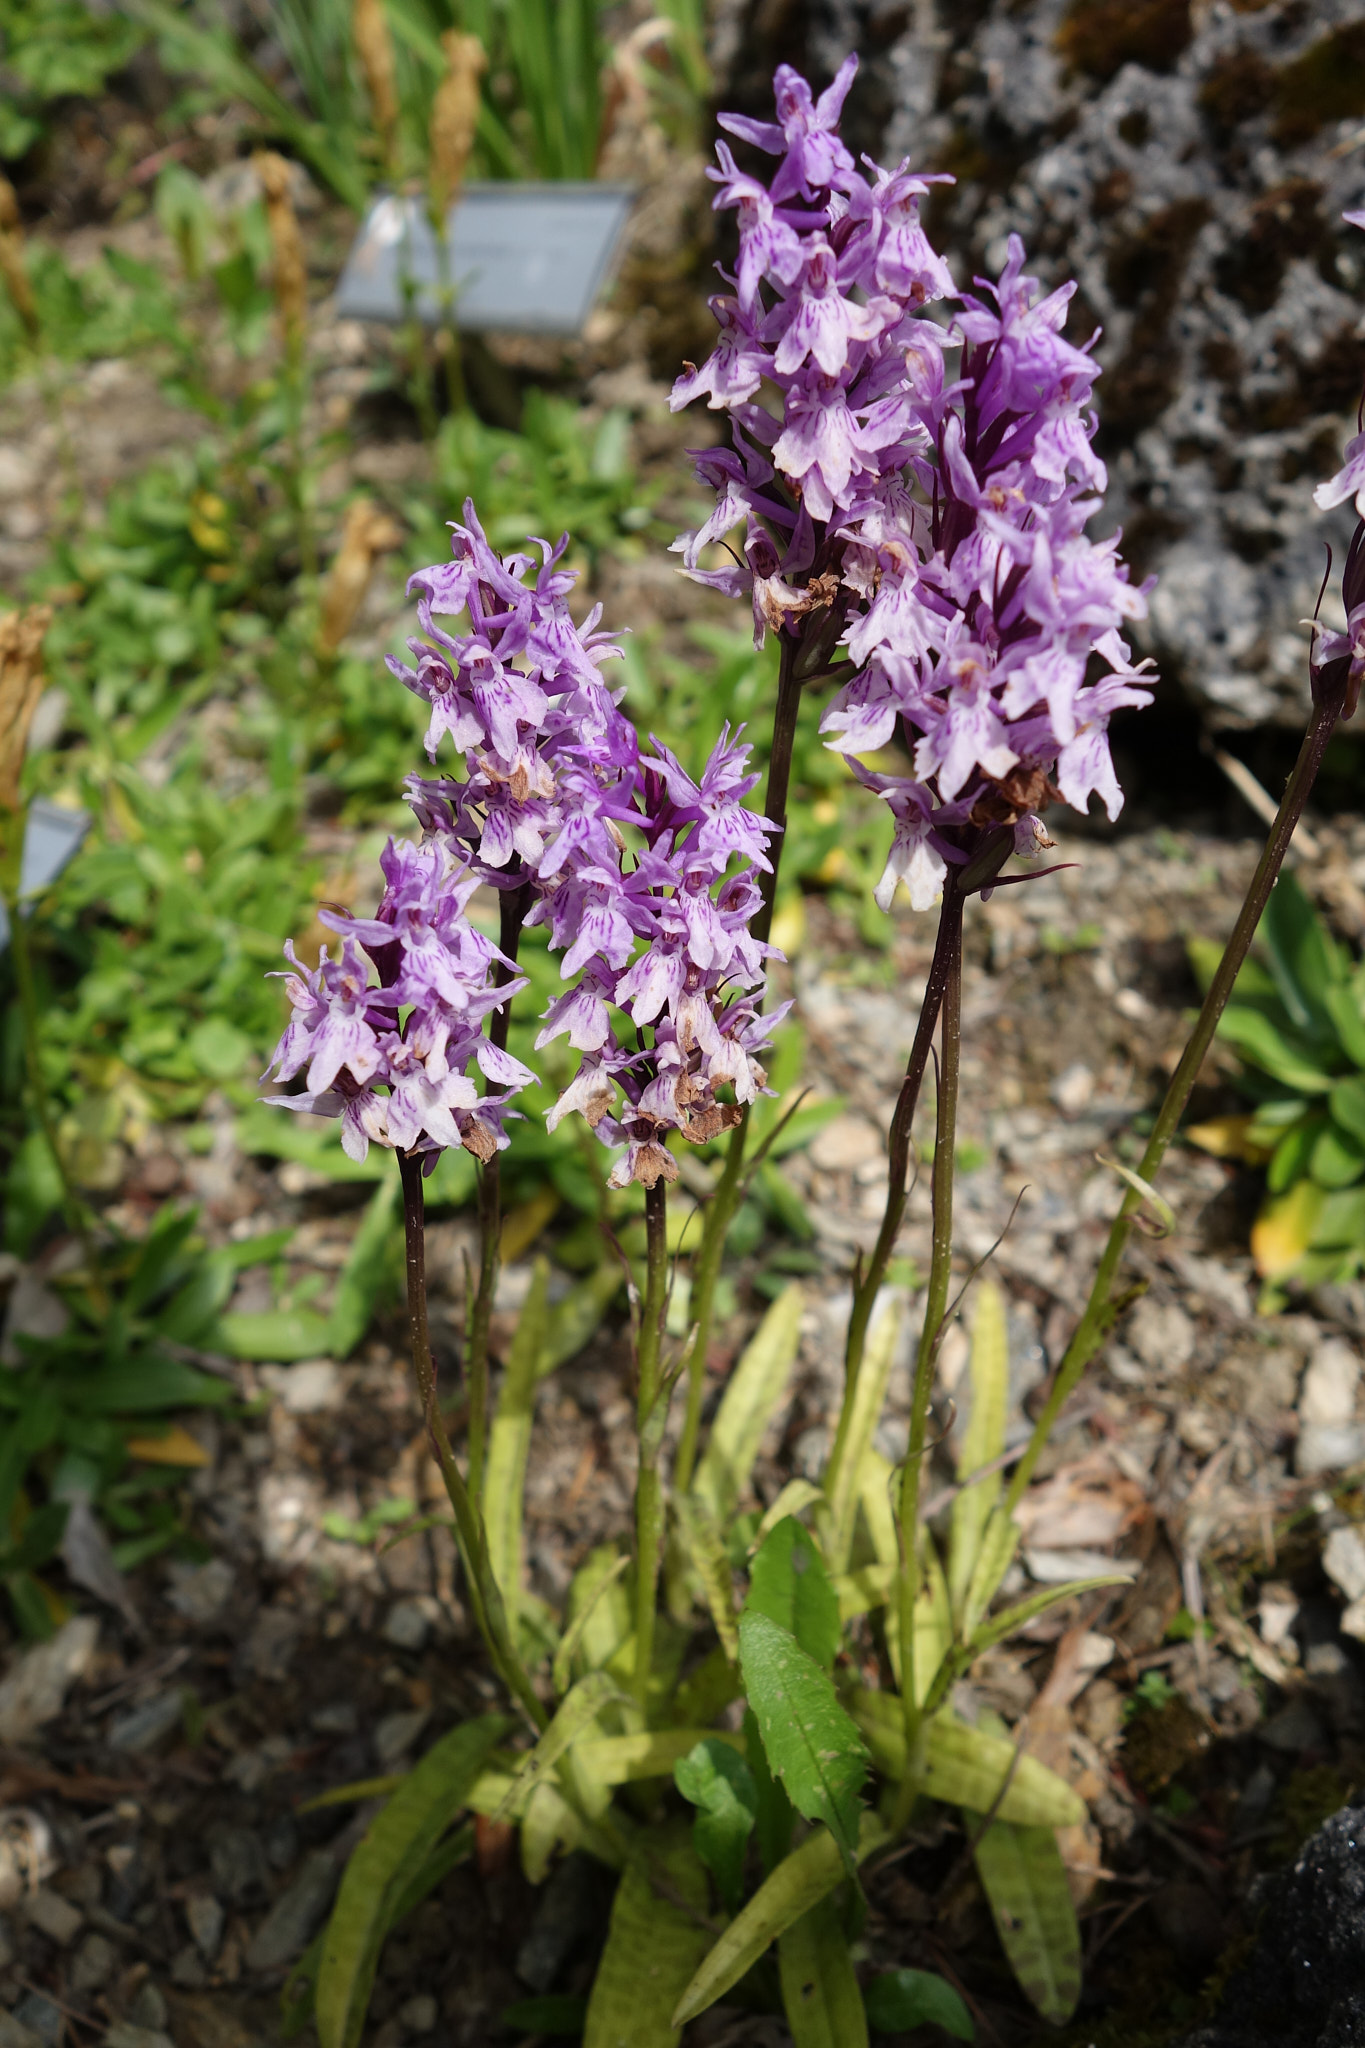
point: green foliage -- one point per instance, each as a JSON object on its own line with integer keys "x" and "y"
{"x": 376, "y": 1885}
{"x": 820, "y": 1993}
{"x": 788, "y": 1582}
{"x": 1297, "y": 1018}
{"x": 715, "y": 1779}
{"x": 811, "y": 1744}
{"x": 54, "y": 50}
{"x": 899, "y": 2000}
{"x": 1025, "y": 1882}
{"x": 654, "y": 1944}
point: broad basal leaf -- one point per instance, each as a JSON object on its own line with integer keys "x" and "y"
{"x": 799, "y": 1882}
{"x": 968, "y": 1766}
{"x": 810, "y": 1742}
{"x": 1024, "y": 1879}
{"x": 788, "y": 1582}
{"x": 983, "y": 1439}
{"x": 750, "y": 1401}
{"x": 820, "y": 1993}
{"x": 653, "y": 1948}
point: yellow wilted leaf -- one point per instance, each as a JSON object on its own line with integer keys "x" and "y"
{"x": 1284, "y": 1229}
{"x": 21, "y": 685}
{"x": 1228, "y": 1137}
{"x": 454, "y": 115}
{"x": 367, "y": 534}
{"x": 176, "y": 1447}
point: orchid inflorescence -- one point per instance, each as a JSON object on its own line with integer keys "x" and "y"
{"x": 926, "y": 532}
{"x": 554, "y": 779}
{"x": 940, "y": 522}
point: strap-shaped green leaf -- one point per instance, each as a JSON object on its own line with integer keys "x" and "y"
{"x": 788, "y": 1582}
{"x": 750, "y": 1401}
{"x": 995, "y": 1554}
{"x": 968, "y": 1766}
{"x": 983, "y": 1439}
{"x": 1304, "y": 959}
{"x": 1024, "y": 1879}
{"x": 707, "y": 1554}
{"x": 799, "y": 1882}
{"x": 1347, "y": 1103}
{"x": 820, "y": 1993}
{"x": 509, "y": 1445}
{"x": 398, "y": 1842}
{"x": 571, "y": 1322}
{"x": 1282, "y": 1054}
{"x": 576, "y": 1714}
{"x": 869, "y": 1397}
{"x": 653, "y": 1948}
{"x": 621, "y": 1759}
{"x": 810, "y": 1742}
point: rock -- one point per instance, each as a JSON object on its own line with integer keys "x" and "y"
{"x": 93, "y": 1965}
{"x": 1162, "y": 1335}
{"x": 1072, "y": 1090}
{"x": 419, "y": 2014}
{"x": 308, "y": 1388}
{"x": 42, "y": 2018}
{"x": 273, "y": 1640}
{"x": 32, "y": 1310}
{"x": 125, "y": 2035}
{"x": 148, "y": 2007}
{"x": 54, "y": 1916}
{"x": 406, "y": 1626}
{"x": 144, "y": 1727}
{"x": 396, "y": 1733}
{"x": 205, "y": 1917}
{"x": 26, "y": 1853}
{"x": 338, "y": 1717}
{"x": 296, "y": 1914}
{"x": 238, "y": 1863}
{"x": 1295, "y": 1728}
{"x": 1301, "y": 1985}
{"x": 1343, "y": 1560}
{"x": 569, "y": 1907}
{"x": 846, "y": 1142}
{"x": 187, "y": 1969}
{"x": 14, "y": 2034}
{"x": 1329, "y": 1435}
{"x": 35, "y": 1689}
{"x": 200, "y": 1593}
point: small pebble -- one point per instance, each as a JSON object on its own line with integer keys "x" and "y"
{"x": 297, "y": 1913}
{"x": 145, "y": 1726}
{"x": 92, "y": 1965}
{"x": 406, "y": 1626}
{"x": 419, "y": 2014}
{"x": 54, "y": 1916}
{"x": 42, "y": 2018}
{"x": 148, "y": 2007}
{"x": 124, "y": 2035}
{"x": 396, "y": 1733}
{"x": 14, "y": 2034}
{"x": 205, "y": 1917}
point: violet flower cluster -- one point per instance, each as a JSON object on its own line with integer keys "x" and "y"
{"x": 936, "y": 523}
{"x": 645, "y": 877}
{"x": 406, "y": 1085}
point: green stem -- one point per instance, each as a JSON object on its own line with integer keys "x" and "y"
{"x": 513, "y": 905}
{"x": 649, "y": 1507}
{"x": 485, "y": 1599}
{"x": 720, "y": 1210}
{"x": 947, "y": 950}
{"x": 1101, "y": 1310}
{"x": 935, "y": 1310}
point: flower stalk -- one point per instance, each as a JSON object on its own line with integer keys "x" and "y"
{"x": 1102, "y": 1309}
{"x": 513, "y": 905}
{"x": 651, "y": 1412}
{"x": 935, "y": 1312}
{"x": 485, "y": 1598}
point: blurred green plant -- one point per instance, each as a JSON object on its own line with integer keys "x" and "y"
{"x": 1297, "y": 1020}
{"x": 53, "y": 50}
